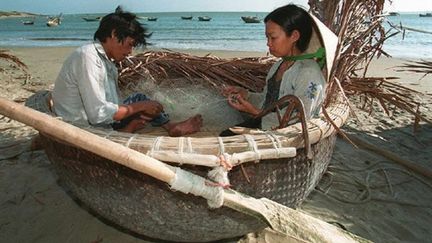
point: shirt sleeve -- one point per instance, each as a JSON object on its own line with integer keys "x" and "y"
{"x": 91, "y": 75}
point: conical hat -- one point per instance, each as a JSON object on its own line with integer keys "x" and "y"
{"x": 322, "y": 36}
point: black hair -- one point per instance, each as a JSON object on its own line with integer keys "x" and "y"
{"x": 124, "y": 24}
{"x": 292, "y": 17}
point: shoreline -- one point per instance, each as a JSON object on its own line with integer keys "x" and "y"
{"x": 14, "y": 14}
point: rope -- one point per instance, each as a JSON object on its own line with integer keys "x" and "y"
{"x": 181, "y": 149}
{"x": 155, "y": 146}
{"x": 108, "y": 134}
{"x": 187, "y": 182}
{"x": 277, "y": 144}
{"x": 130, "y": 140}
{"x": 189, "y": 144}
{"x": 220, "y": 173}
{"x": 367, "y": 190}
{"x": 221, "y": 145}
{"x": 253, "y": 146}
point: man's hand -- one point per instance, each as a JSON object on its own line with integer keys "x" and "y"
{"x": 149, "y": 108}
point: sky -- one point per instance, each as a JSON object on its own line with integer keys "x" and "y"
{"x": 105, "y": 6}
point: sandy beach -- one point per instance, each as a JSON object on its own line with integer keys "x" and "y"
{"x": 363, "y": 192}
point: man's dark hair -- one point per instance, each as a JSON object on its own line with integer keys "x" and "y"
{"x": 124, "y": 24}
{"x": 292, "y": 17}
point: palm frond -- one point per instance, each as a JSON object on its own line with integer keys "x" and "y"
{"x": 11, "y": 58}
{"x": 249, "y": 73}
{"x": 422, "y": 66}
{"x": 359, "y": 27}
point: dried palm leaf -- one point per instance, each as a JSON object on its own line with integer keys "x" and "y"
{"x": 249, "y": 73}
{"x": 13, "y": 59}
{"x": 421, "y": 66}
{"x": 361, "y": 37}
{"x": 9, "y": 58}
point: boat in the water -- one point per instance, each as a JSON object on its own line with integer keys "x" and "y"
{"x": 92, "y": 19}
{"x": 28, "y": 22}
{"x": 187, "y": 17}
{"x": 425, "y": 15}
{"x": 152, "y": 19}
{"x": 250, "y": 19}
{"x": 204, "y": 18}
{"x": 393, "y": 14}
{"x": 54, "y": 21}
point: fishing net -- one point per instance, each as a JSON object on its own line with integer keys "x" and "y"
{"x": 187, "y": 85}
{"x": 182, "y": 99}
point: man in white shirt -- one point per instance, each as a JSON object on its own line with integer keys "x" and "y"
{"x": 86, "y": 89}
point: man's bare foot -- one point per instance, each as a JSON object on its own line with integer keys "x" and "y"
{"x": 189, "y": 126}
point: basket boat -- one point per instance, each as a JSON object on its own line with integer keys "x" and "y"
{"x": 148, "y": 207}
{"x": 283, "y": 165}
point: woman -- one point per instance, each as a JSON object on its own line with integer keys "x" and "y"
{"x": 288, "y": 31}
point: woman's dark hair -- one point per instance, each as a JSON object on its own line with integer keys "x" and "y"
{"x": 292, "y": 17}
{"x": 124, "y": 24}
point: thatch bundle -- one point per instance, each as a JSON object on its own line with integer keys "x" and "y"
{"x": 161, "y": 65}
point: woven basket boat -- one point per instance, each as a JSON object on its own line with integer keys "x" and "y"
{"x": 283, "y": 165}
{"x": 147, "y": 206}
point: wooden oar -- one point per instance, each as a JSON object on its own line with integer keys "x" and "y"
{"x": 291, "y": 223}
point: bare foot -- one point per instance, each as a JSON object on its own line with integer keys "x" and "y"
{"x": 189, "y": 126}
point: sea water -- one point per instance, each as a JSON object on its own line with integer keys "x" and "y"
{"x": 225, "y": 31}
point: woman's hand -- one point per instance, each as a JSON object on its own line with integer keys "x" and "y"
{"x": 230, "y": 90}
{"x": 238, "y": 102}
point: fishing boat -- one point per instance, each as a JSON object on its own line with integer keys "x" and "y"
{"x": 204, "y": 18}
{"x": 152, "y": 19}
{"x": 393, "y": 14}
{"x": 54, "y": 21}
{"x": 283, "y": 165}
{"x": 250, "y": 19}
{"x": 425, "y": 15}
{"x": 28, "y": 22}
{"x": 92, "y": 19}
{"x": 187, "y": 17}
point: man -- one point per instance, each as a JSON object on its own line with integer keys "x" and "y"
{"x": 86, "y": 89}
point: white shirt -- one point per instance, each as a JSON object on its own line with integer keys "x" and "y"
{"x": 86, "y": 89}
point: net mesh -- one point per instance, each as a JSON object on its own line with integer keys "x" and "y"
{"x": 182, "y": 98}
